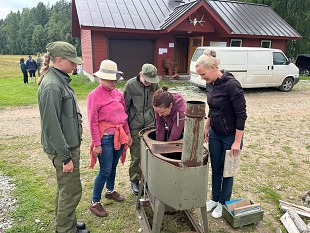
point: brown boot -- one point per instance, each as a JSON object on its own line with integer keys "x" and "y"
{"x": 98, "y": 210}
{"x": 114, "y": 196}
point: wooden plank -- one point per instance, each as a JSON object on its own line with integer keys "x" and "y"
{"x": 297, "y": 206}
{"x": 238, "y": 204}
{"x": 299, "y": 223}
{"x": 289, "y": 224}
{"x": 301, "y": 210}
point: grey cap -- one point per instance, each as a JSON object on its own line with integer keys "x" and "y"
{"x": 65, "y": 50}
{"x": 149, "y": 72}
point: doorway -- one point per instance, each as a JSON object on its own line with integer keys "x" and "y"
{"x": 185, "y": 48}
{"x": 182, "y": 54}
{"x": 194, "y": 43}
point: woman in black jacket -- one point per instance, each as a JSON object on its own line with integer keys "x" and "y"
{"x": 225, "y": 124}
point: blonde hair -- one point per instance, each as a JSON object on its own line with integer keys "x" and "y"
{"x": 46, "y": 65}
{"x": 208, "y": 58}
{"x": 210, "y": 52}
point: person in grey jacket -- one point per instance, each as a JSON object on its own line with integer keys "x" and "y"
{"x": 61, "y": 129}
{"x": 138, "y": 94}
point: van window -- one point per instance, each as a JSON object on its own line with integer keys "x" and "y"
{"x": 279, "y": 59}
{"x": 197, "y": 54}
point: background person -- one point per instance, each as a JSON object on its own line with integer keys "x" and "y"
{"x": 224, "y": 126}
{"x": 23, "y": 69}
{"x": 108, "y": 127}
{"x": 61, "y": 131}
{"x": 40, "y": 61}
{"x": 138, "y": 94}
{"x": 31, "y": 66}
{"x": 169, "y": 114}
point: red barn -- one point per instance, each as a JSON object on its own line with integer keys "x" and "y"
{"x": 134, "y": 32}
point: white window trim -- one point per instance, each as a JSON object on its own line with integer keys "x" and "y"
{"x": 239, "y": 40}
{"x": 262, "y": 41}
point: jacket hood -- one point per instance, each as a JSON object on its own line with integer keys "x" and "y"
{"x": 225, "y": 77}
{"x": 179, "y": 102}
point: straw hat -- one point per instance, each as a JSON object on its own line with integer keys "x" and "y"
{"x": 108, "y": 71}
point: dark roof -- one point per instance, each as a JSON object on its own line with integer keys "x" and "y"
{"x": 177, "y": 13}
{"x": 129, "y": 14}
{"x": 241, "y": 18}
{"x": 252, "y": 19}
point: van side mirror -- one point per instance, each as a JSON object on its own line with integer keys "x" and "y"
{"x": 288, "y": 62}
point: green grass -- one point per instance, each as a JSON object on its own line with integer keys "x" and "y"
{"x": 32, "y": 194}
{"x": 304, "y": 77}
{"x": 15, "y": 93}
{"x": 269, "y": 193}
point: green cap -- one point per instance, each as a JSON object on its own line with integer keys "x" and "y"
{"x": 65, "y": 50}
{"x": 149, "y": 72}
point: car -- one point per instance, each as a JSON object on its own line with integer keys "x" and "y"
{"x": 252, "y": 67}
{"x": 303, "y": 63}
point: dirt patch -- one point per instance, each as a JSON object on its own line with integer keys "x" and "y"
{"x": 274, "y": 161}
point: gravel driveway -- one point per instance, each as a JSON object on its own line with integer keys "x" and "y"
{"x": 277, "y": 134}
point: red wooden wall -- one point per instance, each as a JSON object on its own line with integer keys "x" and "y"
{"x": 87, "y": 50}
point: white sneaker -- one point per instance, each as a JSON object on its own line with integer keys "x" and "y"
{"x": 210, "y": 205}
{"x": 217, "y": 212}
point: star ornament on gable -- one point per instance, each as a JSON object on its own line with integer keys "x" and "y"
{"x": 195, "y": 20}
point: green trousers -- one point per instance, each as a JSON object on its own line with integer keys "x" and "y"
{"x": 135, "y": 153}
{"x": 69, "y": 192}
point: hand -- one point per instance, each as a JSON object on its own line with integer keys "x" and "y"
{"x": 206, "y": 134}
{"x": 69, "y": 167}
{"x": 235, "y": 148}
{"x": 97, "y": 150}
{"x": 129, "y": 140}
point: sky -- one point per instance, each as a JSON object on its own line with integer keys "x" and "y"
{"x": 6, "y": 6}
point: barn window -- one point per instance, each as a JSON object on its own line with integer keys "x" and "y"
{"x": 235, "y": 43}
{"x": 265, "y": 44}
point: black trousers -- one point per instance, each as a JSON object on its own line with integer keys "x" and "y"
{"x": 32, "y": 73}
{"x": 25, "y": 77}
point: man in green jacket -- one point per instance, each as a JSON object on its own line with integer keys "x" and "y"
{"x": 138, "y": 93}
{"x": 61, "y": 130}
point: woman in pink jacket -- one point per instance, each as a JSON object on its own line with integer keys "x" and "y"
{"x": 109, "y": 132}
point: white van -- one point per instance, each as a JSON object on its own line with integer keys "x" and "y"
{"x": 252, "y": 67}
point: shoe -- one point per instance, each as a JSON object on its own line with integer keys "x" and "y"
{"x": 210, "y": 205}
{"x": 114, "y": 196}
{"x": 217, "y": 212}
{"x": 82, "y": 231}
{"x": 98, "y": 210}
{"x": 135, "y": 187}
{"x": 80, "y": 226}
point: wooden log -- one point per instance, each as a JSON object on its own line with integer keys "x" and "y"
{"x": 299, "y": 223}
{"x": 289, "y": 224}
{"x": 301, "y": 210}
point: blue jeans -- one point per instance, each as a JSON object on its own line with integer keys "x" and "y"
{"x": 108, "y": 161}
{"x": 221, "y": 187}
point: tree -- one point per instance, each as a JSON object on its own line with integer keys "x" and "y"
{"x": 39, "y": 38}
{"x": 11, "y": 30}
{"x": 40, "y": 14}
{"x": 297, "y": 14}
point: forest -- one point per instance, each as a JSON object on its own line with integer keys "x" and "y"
{"x": 28, "y": 31}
